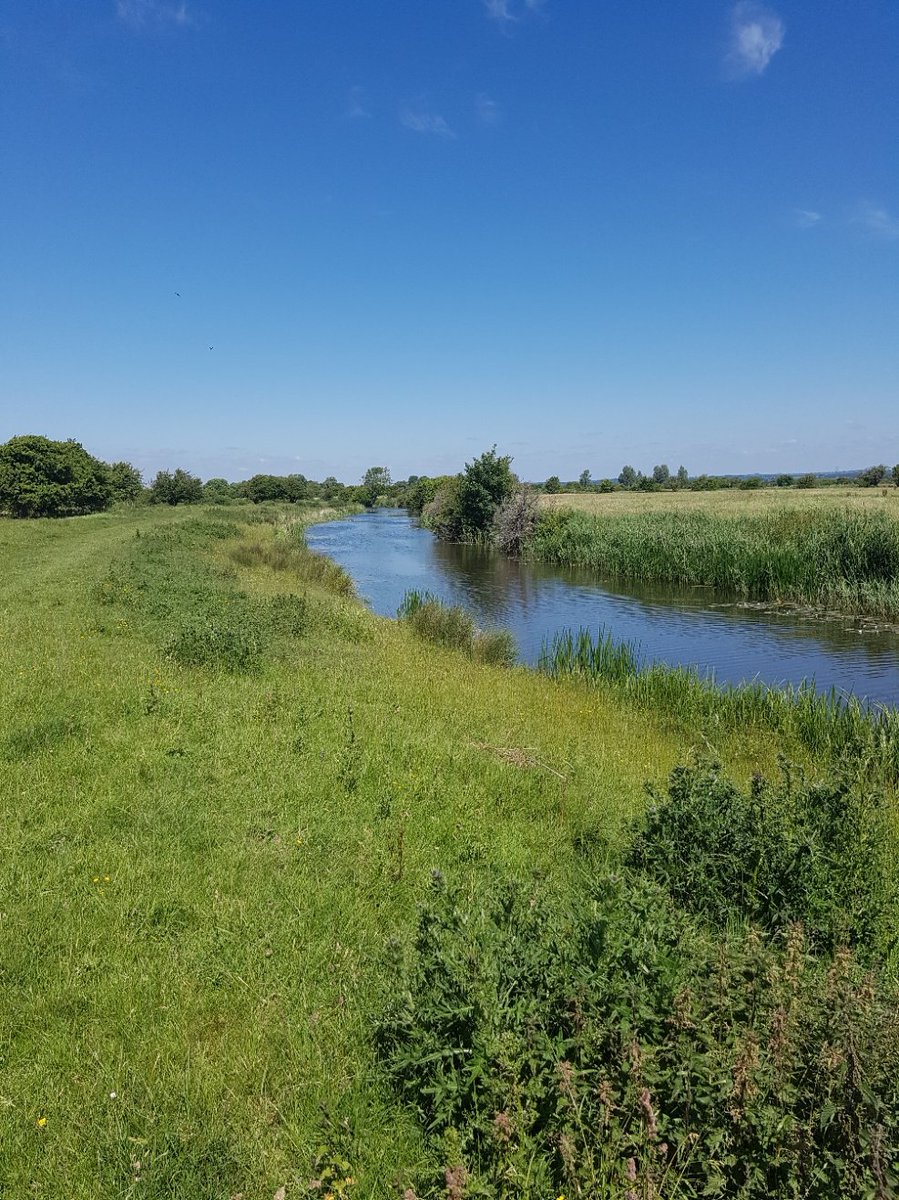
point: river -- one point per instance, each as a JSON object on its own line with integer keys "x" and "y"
{"x": 387, "y": 554}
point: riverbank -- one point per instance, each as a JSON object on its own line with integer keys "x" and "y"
{"x": 226, "y": 787}
{"x": 824, "y": 558}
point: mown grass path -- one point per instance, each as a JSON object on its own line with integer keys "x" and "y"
{"x": 200, "y": 869}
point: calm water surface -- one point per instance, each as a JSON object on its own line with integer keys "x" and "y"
{"x": 386, "y": 555}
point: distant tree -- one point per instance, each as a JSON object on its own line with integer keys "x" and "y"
{"x": 125, "y": 481}
{"x": 628, "y": 477}
{"x": 43, "y": 478}
{"x": 661, "y": 474}
{"x": 296, "y": 488}
{"x": 375, "y": 481}
{"x": 584, "y": 479}
{"x": 178, "y": 487}
{"x": 683, "y": 477}
{"x": 751, "y": 483}
{"x": 219, "y": 491}
{"x": 259, "y": 488}
{"x": 784, "y": 481}
{"x": 553, "y": 485}
{"x": 895, "y": 474}
{"x": 606, "y": 485}
{"x": 807, "y": 481}
{"x": 872, "y": 476}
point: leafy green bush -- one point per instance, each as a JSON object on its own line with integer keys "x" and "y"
{"x": 816, "y": 852}
{"x": 596, "y": 1043}
{"x": 43, "y": 478}
{"x": 219, "y": 642}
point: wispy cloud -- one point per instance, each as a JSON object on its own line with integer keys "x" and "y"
{"x": 807, "y": 218}
{"x": 356, "y": 106}
{"x": 504, "y": 12}
{"x": 420, "y": 121}
{"x": 488, "y": 109}
{"x": 756, "y": 35}
{"x": 877, "y": 220}
{"x": 141, "y": 14}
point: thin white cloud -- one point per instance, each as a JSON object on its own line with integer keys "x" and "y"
{"x": 877, "y": 220}
{"x": 756, "y": 35}
{"x": 807, "y": 218}
{"x": 420, "y": 121}
{"x": 141, "y": 14}
{"x": 505, "y": 12}
{"x": 355, "y": 106}
{"x": 488, "y": 109}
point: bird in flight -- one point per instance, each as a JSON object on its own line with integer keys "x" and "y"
{"x": 212, "y": 347}
{"x": 178, "y": 294}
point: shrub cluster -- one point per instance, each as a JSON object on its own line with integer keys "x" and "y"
{"x": 607, "y": 1042}
{"x": 451, "y": 626}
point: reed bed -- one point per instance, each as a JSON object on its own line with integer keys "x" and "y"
{"x": 828, "y": 724}
{"x": 844, "y": 559}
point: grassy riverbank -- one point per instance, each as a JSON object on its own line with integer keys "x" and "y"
{"x": 844, "y": 559}
{"x": 225, "y": 788}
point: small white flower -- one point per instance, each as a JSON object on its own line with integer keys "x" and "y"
{"x": 112, "y": 1095}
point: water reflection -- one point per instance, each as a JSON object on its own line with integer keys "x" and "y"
{"x": 386, "y": 555}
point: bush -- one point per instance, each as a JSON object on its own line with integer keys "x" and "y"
{"x": 214, "y": 640}
{"x": 515, "y": 521}
{"x": 179, "y": 487}
{"x": 596, "y": 1043}
{"x": 43, "y": 478}
{"x": 816, "y": 853}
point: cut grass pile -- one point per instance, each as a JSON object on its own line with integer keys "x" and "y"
{"x": 224, "y": 786}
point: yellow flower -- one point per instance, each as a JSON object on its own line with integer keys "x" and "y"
{"x": 41, "y": 1122}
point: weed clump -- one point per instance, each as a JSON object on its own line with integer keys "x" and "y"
{"x": 220, "y": 643}
{"x": 449, "y": 625}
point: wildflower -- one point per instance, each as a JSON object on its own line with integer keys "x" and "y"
{"x": 41, "y": 1122}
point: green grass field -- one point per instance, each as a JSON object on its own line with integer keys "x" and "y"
{"x": 202, "y": 864}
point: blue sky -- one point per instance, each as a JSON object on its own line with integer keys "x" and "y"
{"x": 592, "y": 233}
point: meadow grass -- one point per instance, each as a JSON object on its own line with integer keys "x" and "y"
{"x": 202, "y": 863}
{"x": 843, "y": 559}
{"x": 726, "y": 502}
{"x": 224, "y": 786}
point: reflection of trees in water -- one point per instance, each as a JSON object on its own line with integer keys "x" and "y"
{"x": 495, "y": 587}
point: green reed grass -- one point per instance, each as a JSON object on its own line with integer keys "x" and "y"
{"x": 844, "y": 559}
{"x": 828, "y": 724}
{"x": 449, "y": 625}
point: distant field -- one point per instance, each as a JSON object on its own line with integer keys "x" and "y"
{"x": 727, "y": 503}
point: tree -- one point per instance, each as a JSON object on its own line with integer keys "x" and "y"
{"x": 584, "y": 479}
{"x": 125, "y": 481}
{"x": 872, "y": 476}
{"x": 553, "y": 485}
{"x": 375, "y": 481}
{"x": 784, "y": 481}
{"x": 485, "y": 483}
{"x": 219, "y": 491}
{"x": 807, "y": 481}
{"x": 628, "y": 477}
{"x": 515, "y": 520}
{"x": 179, "y": 487}
{"x": 895, "y": 474}
{"x": 683, "y": 479}
{"x": 43, "y": 478}
{"x": 661, "y": 474}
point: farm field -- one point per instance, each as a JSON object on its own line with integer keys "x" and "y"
{"x": 731, "y": 502}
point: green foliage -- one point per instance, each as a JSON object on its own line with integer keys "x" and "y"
{"x": 628, "y": 477}
{"x": 449, "y": 625}
{"x": 584, "y": 478}
{"x": 597, "y": 1043}
{"x": 829, "y": 725}
{"x": 43, "y": 478}
{"x": 873, "y": 476}
{"x": 178, "y": 487}
{"x": 807, "y": 481}
{"x": 751, "y": 484}
{"x": 375, "y": 482}
{"x": 895, "y": 474}
{"x": 661, "y": 475}
{"x": 844, "y": 559}
{"x": 219, "y": 491}
{"x": 222, "y": 642}
{"x": 784, "y": 481}
{"x": 553, "y": 485}
{"x": 515, "y": 521}
{"x": 483, "y": 486}
{"x": 125, "y": 481}
{"x": 818, "y": 853}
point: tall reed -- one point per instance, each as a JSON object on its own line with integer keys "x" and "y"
{"x": 827, "y": 723}
{"x": 845, "y": 559}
